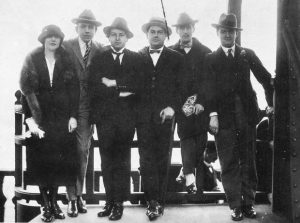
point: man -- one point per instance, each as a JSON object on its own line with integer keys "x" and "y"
{"x": 235, "y": 102}
{"x": 114, "y": 83}
{"x": 82, "y": 49}
{"x": 159, "y": 101}
{"x": 192, "y": 124}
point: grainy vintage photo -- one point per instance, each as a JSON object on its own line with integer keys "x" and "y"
{"x": 149, "y": 110}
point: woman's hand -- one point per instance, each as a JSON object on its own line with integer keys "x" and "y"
{"x": 72, "y": 124}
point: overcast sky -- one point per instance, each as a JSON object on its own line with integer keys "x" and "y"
{"x": 21, "y": 22}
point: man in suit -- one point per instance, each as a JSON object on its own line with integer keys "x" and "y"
{"x": 81, "y": 50}
{"x": 114, "y": 84}
{"x": 192, "y": 119}
{"x": 162, "y": 68}
{"x": 235, "y": 102}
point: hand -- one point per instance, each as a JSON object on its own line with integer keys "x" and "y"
{"x": 108, "y": 82}
{"x": 198, "y": 109}
{"x": 72, "y": 125}
{"x": 125, "y": 94}
{"x": 214, "y": 125}
{"x": 269, "y": 110}
{"x": 34, "y": 128}
{"x": 166, "y": 113}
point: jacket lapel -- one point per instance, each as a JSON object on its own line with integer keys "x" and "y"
{"x": 76, "y": 49}
{"x": 147, "y": 58}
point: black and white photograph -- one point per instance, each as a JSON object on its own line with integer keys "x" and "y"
{"x": 150, "y": 111}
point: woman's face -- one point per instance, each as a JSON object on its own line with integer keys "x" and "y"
{"x": 52, "y": 43}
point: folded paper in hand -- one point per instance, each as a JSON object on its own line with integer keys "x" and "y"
{"x": 188, "y": 107}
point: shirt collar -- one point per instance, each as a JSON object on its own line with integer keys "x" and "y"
{"x": 82, "y": 44}
{"x": 120, "y": 51}
{"x": 161, "y": 49}
{"x": 225, "y": 49}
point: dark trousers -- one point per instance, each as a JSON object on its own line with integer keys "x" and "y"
{"x": 192, "y": 149}
{"x": 115, "y": 137}
{"x": 154, "y": 143}
{"x": 236, "y": 151}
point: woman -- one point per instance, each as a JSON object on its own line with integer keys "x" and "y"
{"x": 51, "y": 90}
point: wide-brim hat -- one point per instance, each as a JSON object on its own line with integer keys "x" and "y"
{"x": 51, "y": 30}
{"x": 156, "y": 21}
{"x": 228, "y": 21}
{"x": 87, "y": 16}
{"x": 184, "y": 19}
{"x": 118, "y": 23}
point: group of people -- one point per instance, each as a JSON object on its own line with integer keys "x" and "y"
{"x": 70, "y": 85}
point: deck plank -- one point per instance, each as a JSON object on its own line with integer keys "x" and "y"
{"x": 176, "y": 214}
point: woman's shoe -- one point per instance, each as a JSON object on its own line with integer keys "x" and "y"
{"x": 191, "y": 189}
{"x": 57, "y": 212}
{"x": 180, "y": 178}
{"x": 47, "y": 215}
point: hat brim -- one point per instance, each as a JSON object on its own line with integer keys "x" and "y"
{"x": 186, "y": 23}
{"x": 227, "y": 27}
{"x": 44, "y": 35}
{"x": 146, "y": 27}
{"x": 107, "y": 29}
{"x": 79, "y": 20}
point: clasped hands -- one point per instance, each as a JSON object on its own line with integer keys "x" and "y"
{"x": 113, "y": 83}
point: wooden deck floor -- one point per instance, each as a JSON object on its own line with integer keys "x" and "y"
{"x": 176, "y": 214}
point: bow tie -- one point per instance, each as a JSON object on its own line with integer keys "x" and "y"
{"x": 116, "y": 53}
{"x": 186, "y": 45}
{"x": 154, "y": 51}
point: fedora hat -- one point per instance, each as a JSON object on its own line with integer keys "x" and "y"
{"x": 86, "y": 16}
{"x": 227, "y": 21}
{"x": 50, "y": 30}
{"x": 118, "y": 23}
{"x": 156, "y": 21}
{"x": 184, "y": 19}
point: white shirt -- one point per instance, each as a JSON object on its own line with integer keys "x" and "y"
{"x": 82, "y": 46}
{"x": 155, "y": 56}
{"x": 50, "y": 66}
{"x": 115, "y": 55}
{"x": 225, "y": 49}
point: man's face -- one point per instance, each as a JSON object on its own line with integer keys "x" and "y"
{"x": 117, "y": 39}
{"x": 185, "y": 33}
{"x": 86, "y": 31}
{"x": 227, "y": 36}
{"x": 156, "y": 37}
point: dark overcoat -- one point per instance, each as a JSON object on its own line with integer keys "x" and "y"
{"x": 105, "y": 100}
{"x": 160, "y": 84}
{"x": 226, "y": 83}
{"x": 193, "y": 82}
{"x": 51, "y": 160}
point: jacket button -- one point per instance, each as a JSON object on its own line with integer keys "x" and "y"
{"x": 153, "y": 86}
{"x": 153, "y": 78}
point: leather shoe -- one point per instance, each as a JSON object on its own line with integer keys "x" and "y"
{"x": 236, "y": 214}
{"x": 47, "y": 215}
{"x": 72, "y": 209}
{"x": 249, "y": 211}
{"x": 191, "y": 189}
{"x": 80, "y": 205}
{"x": 116, "y": 212}
{"x": 154, "y": 210}
{"x": 57, "y": 212}
{"x": 106, "y": 209}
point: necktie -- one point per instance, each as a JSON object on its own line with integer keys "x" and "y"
{"x": 117, "y": 59}
{"x": 86, "y": 54}
{"x": 154, "y": 51}
{"x": 230, "y": 56}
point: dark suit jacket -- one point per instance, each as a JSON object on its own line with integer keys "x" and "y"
{"x": 106, "y": 100}
{"x": 160, "y": 84}
{"x": 73, "y": 48}
{"x": 193, "y": 82}
{"x": 228, "y": 81}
